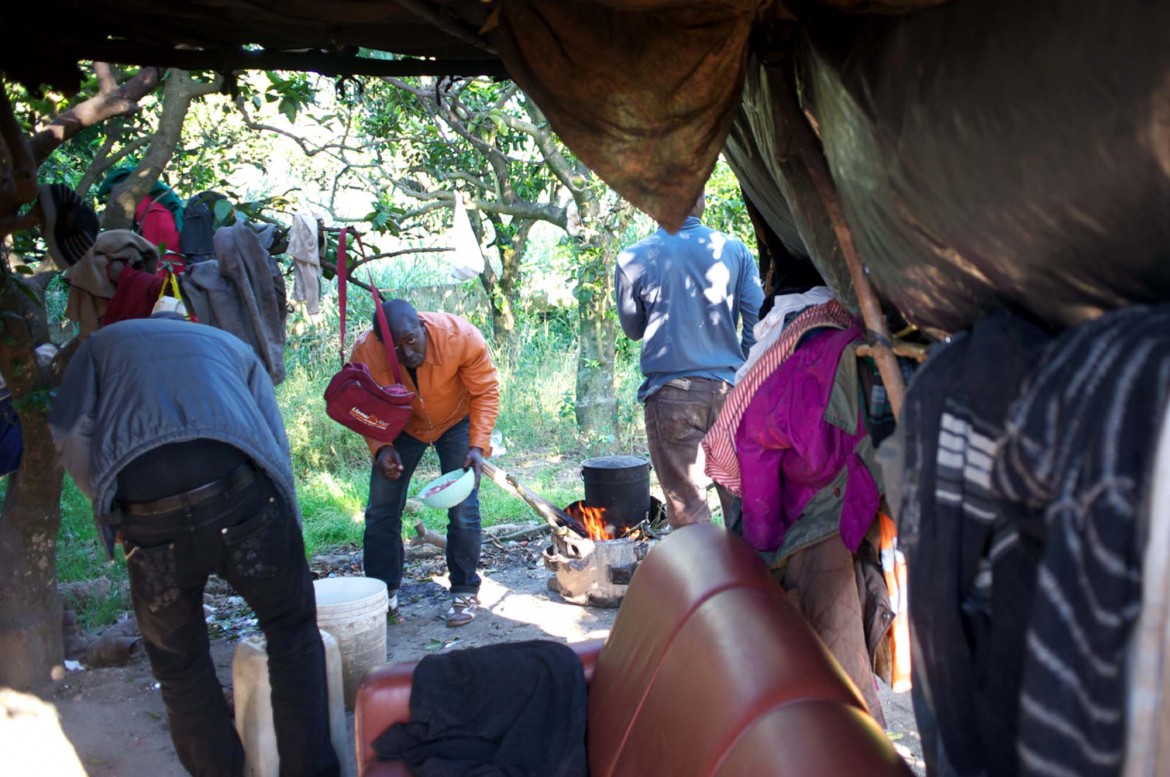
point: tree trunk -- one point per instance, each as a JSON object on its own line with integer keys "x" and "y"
{"x": 178, "y": 93}
{"x": 30, "y": 611}
{"x": 596, "y": 404}
{"x": 503, "y": 291}
{"x": 503, "y": 322}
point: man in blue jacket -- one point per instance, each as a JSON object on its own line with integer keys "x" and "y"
{"x": 685, "y": 296}
{"x": 172, "y": 429}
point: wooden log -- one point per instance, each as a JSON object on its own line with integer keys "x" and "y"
{"x": 427, "y": 537}
{"x": 553, "y": 515}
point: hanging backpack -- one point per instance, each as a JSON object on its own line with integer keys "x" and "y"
{"x": 199, "y": 224}
{"x": 353, "y": 398}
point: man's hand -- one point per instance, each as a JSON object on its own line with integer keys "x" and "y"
{"x": 474, "y": 460}
{"x": 388, "y": 462}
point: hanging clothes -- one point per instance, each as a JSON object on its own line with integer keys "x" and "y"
{"x": 794, "y": 441}
{"x": 242, "y": 291}
{"x": 90, "y": 287}
{"x": 303, "y": 247}
{"x": 966, "y": 555}
{"x": 770, "y": 328}
{"x": 1079, "y": 454}
{"x": 722, "y": 464}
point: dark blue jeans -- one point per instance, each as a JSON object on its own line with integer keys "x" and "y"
{"x": 251, "y": 540}
{"x": 382, "y": 544}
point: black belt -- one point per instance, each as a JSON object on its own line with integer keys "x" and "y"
{"x": 235, "y": 480}
{"x": 686, "y": 384}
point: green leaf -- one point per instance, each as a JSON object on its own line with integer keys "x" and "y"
{"x": 24, "y": 269}
{"x": 28, "y": 292}
{"x": 223, "y": 209}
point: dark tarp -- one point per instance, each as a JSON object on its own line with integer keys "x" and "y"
{"x": 643, "y": 91}
{"x": 986, "y": 151}
{"x": 1003, "y": 152}
{"x": 765, "y": 165}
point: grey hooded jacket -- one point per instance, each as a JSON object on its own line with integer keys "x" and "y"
{"x": 139, "y": 384}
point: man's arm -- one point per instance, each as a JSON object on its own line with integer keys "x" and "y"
{"x": 631, "y": 312}
{"x": 73, "y": 416}
{"x": 750, "y": 297}
{"x": 479, "y": 377}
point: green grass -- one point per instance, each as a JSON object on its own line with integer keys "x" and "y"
{"x": 80, "y": 556}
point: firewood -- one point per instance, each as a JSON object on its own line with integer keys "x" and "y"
{"x": 427, "y": 537}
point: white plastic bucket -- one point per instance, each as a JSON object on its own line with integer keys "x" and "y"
{"x": 353, "y": 610}
{"x": 252, "y": 695}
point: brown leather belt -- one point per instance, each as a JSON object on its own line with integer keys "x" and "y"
{"x": 235, "y": 480}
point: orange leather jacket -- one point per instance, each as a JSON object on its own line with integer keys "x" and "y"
{"x": 457, "y": 379}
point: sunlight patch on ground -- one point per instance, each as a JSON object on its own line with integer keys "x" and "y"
{"x": 31, "y": 738}
{"x": 559, "y": 619}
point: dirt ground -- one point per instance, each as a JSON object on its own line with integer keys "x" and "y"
{"x": 115, "y": 721}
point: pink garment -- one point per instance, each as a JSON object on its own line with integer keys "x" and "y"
{"x": 788, "y": 452}
{"x": 719, "y": 443}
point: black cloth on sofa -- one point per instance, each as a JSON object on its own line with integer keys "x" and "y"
{"x": 511, "y": 709}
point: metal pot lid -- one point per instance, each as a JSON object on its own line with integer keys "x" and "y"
{"x": 615, "y": 462}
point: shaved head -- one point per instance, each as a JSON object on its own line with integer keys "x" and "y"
{"x": 400, "y": 315}
{"x": 410, "y": 337}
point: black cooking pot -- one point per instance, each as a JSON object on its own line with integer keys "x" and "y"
{"x": 620, "y": 484}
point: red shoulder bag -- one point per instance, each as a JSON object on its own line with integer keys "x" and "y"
{"x": 353, "y": 398}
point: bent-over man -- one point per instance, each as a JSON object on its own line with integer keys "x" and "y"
{"x": 172, "y": 429}
{"x": 457, "y": 400}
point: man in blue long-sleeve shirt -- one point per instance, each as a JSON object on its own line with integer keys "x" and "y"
{"x": 685, "y": 295}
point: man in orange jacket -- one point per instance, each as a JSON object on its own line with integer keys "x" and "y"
{"x": 457, "y": 400}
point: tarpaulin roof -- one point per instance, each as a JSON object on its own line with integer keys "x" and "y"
{"x": 985, "y": 151}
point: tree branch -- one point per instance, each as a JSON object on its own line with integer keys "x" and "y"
{"x": 105, "y": 105}
{"x": 19, "y": 182}
{"x": 570, "y": 177}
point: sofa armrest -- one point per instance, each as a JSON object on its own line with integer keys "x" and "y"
{"x": 383, "y": 699}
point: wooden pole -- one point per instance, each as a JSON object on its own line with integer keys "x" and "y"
{"x": 556, "y": 517}
{"x": 801, "y": 139}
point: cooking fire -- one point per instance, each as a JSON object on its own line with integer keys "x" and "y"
{"x": 598, "y": 525}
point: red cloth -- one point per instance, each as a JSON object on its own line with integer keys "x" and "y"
{"x": 135, "y": 296}
{"x": 156, "y": 223}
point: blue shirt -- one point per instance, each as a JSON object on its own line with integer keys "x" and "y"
{"x": 684, "y": 296}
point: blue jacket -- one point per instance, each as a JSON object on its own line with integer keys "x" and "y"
{"x": 139, "y": 384}
{"x": 686, "y": 294}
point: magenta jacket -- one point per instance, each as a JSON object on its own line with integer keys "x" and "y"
{"x": 788, "y": 451}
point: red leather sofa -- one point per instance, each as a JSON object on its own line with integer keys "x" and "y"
{"x": 707, "y": 671}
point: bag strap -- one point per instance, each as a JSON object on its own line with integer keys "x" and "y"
{"x": 383, "y": 325}
{"x": 387, "y": 338}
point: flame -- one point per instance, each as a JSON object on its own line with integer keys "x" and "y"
{"x": 593, "y": 519}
